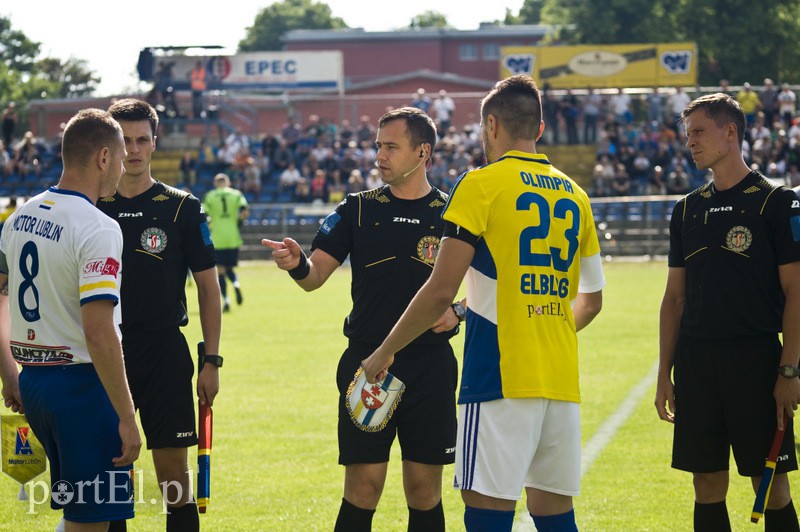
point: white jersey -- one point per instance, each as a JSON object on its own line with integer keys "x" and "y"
{"x": 61, "y": 252}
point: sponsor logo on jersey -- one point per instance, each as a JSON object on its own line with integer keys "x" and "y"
{"x": 101, "y": 267}
{"x": 329, "y": 223}
{"x": 153, "y": 240}
{"x": 401, "y": 220}
{"x": 721, "y": 209}
{"x": 130, "y": 215}
{"x": 428, "y": 249}
{"x": 23, "y": 445}
{"x": 42, "y": 355}
{"x": 739, "y": 239}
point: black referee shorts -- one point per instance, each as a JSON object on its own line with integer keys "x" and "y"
{"x": 425, "y": 419}
{"x": 723, "y": 400}
{"x": 160, "y": 369}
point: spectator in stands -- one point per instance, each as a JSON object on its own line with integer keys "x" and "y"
{"x": 678, "y": 181}
{"x": 365, "y": 131}
{"x": 9, "y": 124}
{"x": 443, "y": 109}
{"x": 769, "y": 101}
{"x": 750, "y": 103}
{"x": 373, "y": 179}
{"x": 421, "y": 101}
{"x": 355, "y": 182}
{"x": 592, "y": 106}
{"x": 724, "y": 87}
{"x": 336, "y": 188}
{"x": 27, "y": 156}
{"x": 656, "y": 184}
{"x": 654, "y": 110}
{"x": 793, "y": 176}
{"x": 640, "y": 170}
{"x": 165, "y": 89}
{"x": 5, "y": 159}
{"x": 551, "y": 110}
{"x": 302, "y": 190}
{"x": 621, "y": 183}
{"x": 198, "y": 81}
{"x": 787, "y": 104}
{"x": 282, "y": 157}
{"x": 252, "y": 178}
{"x": 620, "y": 105}
{"x": 290, "y": 177}
{"x": 676, "y": 103}
{"x": 571, "y": 110}
{"x": 319, "y": 186}
{"x": 188, "y": 168}
{"x": 291, "y": 133}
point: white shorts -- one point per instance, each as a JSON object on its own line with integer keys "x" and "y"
{"x": 508, "y": 444}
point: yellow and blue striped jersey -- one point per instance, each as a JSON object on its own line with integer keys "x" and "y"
{"x": 534, "y": 224}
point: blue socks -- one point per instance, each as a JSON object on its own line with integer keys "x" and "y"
{"x": 480, "y": 520}
{"x": 556, "y": 523}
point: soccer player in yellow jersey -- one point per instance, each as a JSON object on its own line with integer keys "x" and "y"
{"x": 522, "y": 232}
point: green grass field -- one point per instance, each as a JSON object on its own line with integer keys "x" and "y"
{"x": 274, "y": 459}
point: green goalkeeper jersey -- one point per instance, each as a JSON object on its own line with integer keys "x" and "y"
{"x": 222, "y": 206}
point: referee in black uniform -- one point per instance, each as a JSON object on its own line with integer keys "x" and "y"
{"x": 164, "y": 233}
{"x": 392, "y": 237}
{"x": 733, "y": 286}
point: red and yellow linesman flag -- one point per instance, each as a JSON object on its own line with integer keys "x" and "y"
{"x": 204, "y": 434}
{"x": 23, "y": 455}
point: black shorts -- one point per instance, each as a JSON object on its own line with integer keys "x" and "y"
{"x": 227, "y": 257}
{"x": 723, "y": 400}
{"x": 425, "y": 419}
{"x": 160, "y": 369}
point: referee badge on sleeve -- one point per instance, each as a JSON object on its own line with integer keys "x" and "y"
{"x": 372, "y": 405}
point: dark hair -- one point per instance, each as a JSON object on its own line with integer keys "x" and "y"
{"x": 720, "y": 108}
{"x": 516, "y": 103}
{"x": 89, "y": 131}
{"x": 420, "y": 126}
{"x": 133, "y": 110}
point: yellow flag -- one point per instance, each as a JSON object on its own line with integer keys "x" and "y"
{"x": 23, "y": 455}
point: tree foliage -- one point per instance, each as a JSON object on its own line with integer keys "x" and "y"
{"x": 429, "y": 19}
{"x": 734, "y": 40}
{"x": 24, "y": 76}
{"x": 274, "y": 21}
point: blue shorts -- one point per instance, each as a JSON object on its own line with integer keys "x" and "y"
{"x": 228, "y": 257}
{"x": 70, "y": 413}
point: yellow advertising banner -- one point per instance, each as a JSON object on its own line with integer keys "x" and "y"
{"x": 603, "y": 66}
{"x": 23, "y": 455}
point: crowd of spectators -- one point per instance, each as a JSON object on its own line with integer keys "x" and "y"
{"x": 640, "y": 145}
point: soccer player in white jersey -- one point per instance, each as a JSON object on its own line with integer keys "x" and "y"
{"x": 60, "y": 262}
{"x": 522, "y": 232}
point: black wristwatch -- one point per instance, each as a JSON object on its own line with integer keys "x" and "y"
{"x": 214, "y": 360}
{"x": 459, "y": 310}
{"x": 789, "y": 371}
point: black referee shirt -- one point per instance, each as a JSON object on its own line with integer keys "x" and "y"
{"x": 731, "y": 244}
{"x": 392, "y": 244}
{"x": 164, "y": 232}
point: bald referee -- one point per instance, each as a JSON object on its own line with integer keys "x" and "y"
{"x": 392, "y": 235}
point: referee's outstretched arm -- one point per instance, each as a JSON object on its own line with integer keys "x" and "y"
{"x": 308, "y": 272}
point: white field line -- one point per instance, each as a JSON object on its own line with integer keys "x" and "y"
{"x": 601, "y": 438}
